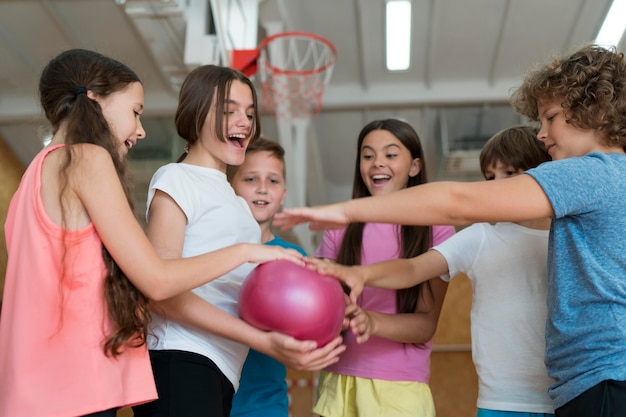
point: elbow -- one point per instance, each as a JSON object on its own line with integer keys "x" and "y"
{"x": 428, "y": 334}
{"x": 423, "y": 337}
{"x": 158, "y": 295}
{"x": 158, "y": 290}
{"x": 161, "y": 291}
{"x": 155, "y": 295}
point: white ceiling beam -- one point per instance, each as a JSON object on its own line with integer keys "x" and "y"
{"x": 336, "y": 98}
{"x": 504, "y": 21}
{"x": 580, "y": 17}
{"x": 429, "y": 42}
{"x": 62, "y": 24}
{"x": 160, "y": 71}
{"x": 449, "y": 93}
{"x": 360, "y": 50}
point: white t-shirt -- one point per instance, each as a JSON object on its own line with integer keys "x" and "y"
{"x": 216, "y": 218}
{"x": 506, "y": 265}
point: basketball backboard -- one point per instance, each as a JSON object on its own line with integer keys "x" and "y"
{"x": 217, "y": 27}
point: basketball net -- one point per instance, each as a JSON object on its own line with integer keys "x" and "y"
{"x": 294, "y": 69}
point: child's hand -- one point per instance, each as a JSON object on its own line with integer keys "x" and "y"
{"x": 351, "y": 310}
{"x": 260, "y": 253}
{"x": 349, "y": 275}
{"x": 303, "y": 355}
{"x": 320, "y": 217}
{"x": 361, "y": 325}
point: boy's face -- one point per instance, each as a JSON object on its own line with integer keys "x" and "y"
{"x": 562, "y": 139}
{"x": 498, "y": 170}
{"x": 260, "y": 181}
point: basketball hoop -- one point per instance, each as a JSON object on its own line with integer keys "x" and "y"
{"x": 294, "y": 68}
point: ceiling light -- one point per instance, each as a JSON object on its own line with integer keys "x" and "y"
{"x": 398, "y": 34}
{"x": 612, "y": 29}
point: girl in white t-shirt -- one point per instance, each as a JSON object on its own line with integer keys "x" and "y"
{"x": 199, "y": 344}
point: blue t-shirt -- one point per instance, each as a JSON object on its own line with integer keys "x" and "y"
{"x": 586, "y": 327}
{"x": 262, "y": 386}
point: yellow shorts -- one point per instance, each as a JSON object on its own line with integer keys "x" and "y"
{"x": 349, "y": 396}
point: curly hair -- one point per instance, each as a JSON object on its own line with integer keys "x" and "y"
{"x": 591, "y": 85}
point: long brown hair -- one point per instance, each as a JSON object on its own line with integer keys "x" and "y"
{"x": 413, "y": 240}
{"x": 62, "y": 85}
{"x": 206, "y": 86}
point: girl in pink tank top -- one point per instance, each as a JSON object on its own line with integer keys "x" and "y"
{"x": 80, "y": 268}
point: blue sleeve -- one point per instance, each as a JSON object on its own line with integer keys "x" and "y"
{"x": 277, "y": 241}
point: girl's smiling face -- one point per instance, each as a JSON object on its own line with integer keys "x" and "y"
{"x": 385, "y": 163}
{"x": 239, "y": 111}
{"x": 122, "y": 110}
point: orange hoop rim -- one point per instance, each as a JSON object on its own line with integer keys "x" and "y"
{"x": 275, "y": 70}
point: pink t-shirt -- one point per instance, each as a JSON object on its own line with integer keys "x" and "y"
{"x": 54, "y": 321}
{"x": 380, "y": 358}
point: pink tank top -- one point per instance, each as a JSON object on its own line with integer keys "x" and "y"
{"x": 54, "y": 320}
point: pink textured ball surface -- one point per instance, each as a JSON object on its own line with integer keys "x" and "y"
{"x": 292, "y": 299}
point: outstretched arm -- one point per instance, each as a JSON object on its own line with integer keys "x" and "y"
{"x": 98, "y": 188}
{"x": 454, "y": 203}
{"x": 392, "y": 274}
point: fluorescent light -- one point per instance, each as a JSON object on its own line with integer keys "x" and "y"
{"x": 398, "y": 32}
{"x": 614, "y": 24}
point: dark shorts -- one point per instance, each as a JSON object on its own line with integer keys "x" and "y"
{"x": 607, "y": 399}
{"x": 188, "y": 385}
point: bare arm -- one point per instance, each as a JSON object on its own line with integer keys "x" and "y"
{"x": 195, "y": 312}
{"x": 97, "y": 186}
{"x": 166, "y": 231}
{"x": 392, "y": 274}
{"x": 454, "y": 203}
{"x": 416, "y": 327}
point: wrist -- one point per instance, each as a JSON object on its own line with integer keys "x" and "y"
{"x": 245, "y": 252}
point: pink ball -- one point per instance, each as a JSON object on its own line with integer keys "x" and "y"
{"x": 292, "y": 299}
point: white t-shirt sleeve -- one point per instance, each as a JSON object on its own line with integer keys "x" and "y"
{"x": 171, "y": 180}
{"x": 460, "y": 250}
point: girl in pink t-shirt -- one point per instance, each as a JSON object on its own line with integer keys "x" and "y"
{"x": 386, "y": 366}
